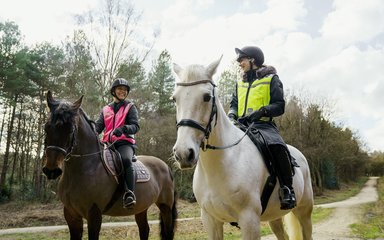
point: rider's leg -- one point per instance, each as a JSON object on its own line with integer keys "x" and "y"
{"x": 283, "y": 168}
{"x": 126, "y": 152}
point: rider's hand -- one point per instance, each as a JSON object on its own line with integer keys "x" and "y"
{"x": 256, "y": 115}
{"x": 243, "y": 120}
{"x": 118, "y": 132}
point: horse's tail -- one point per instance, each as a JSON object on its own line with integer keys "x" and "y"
{"x": 168, "y": 217}
{"x": 293, "y": 226}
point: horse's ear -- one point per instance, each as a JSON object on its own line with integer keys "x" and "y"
{"x": 177, "y": 69}
{"x": 78, "y": 102}
{"x": 50, "y": 101}
{"x": 213, "y": 66}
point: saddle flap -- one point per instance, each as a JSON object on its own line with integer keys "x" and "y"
{"x": 113, "y": 164}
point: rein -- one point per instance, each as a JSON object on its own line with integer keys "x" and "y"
{"x": 207, "y": 130}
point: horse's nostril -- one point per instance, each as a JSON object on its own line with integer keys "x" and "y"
{"x": 57, "y": 172}
{"x": 46, "y": 171}
{"x": 191, "y": 156}
{"x": 52, "y": 174}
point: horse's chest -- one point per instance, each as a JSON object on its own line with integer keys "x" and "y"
{"x": 219, "y": 202}
{"x": 219, "y": 208}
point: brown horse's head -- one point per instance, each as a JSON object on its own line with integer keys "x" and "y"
{"x": 60, "y": 130}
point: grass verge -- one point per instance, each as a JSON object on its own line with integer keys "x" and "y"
{"x": 372, "y": 227}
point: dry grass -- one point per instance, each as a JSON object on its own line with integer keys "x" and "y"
{"x": 37, "y": 214}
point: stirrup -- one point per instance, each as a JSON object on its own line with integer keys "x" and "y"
{"x": 129, "y": 199}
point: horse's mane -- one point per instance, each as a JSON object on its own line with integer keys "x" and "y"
{"x": 65, "y": 113}
{"x": 195, "y": 71}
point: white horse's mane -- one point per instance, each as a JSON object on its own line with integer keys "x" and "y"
{"x": 193, "y": 72}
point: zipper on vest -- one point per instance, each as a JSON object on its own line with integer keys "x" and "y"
{"x": 246, "y": 99}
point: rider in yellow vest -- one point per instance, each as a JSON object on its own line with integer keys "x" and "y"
{"x": 259, "y": 97}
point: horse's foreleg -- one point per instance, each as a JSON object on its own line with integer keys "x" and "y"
{"x": 142, "y": 223}
{"x": 75, "y": 224}
{"x": 212, "y": 226}
{"x": 277, "y": 227}
{"x": 94, "y": 220}
{"x": 167, "y": 221}
{"x": 249, "y": 223}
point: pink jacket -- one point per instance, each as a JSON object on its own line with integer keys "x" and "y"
{"x": 113, "y": 121}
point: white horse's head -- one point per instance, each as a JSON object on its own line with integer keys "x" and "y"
{"x": 195, "y": 101}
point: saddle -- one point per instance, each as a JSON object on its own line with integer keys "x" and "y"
{"x": 114, "y": 166}
{"x": 258, "y": 139}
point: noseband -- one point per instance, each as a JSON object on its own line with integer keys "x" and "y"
{"x": 194, "y": 124}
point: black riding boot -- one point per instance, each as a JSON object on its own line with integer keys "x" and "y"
{"x": 284, "y": 172}
{"x": 129, "y": 199}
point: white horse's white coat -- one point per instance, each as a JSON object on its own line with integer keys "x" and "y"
{"x": 228, "y": 183}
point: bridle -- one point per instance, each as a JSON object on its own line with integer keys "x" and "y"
{"x": 194, "y": 124}
{"x": 206, "y": 130}
{"x": 68, "y": 152}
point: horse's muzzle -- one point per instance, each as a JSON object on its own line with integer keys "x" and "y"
{"x": 186, "y": 160}
{"x": 52, "y": 174}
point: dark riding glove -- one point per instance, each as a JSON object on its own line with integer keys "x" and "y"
{"x": 118, "y": 131}
{"x": 256, "y": 115}
{"x": 243, "y": 120}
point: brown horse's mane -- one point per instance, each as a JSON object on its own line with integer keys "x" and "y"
{"x": 65, "y": 114}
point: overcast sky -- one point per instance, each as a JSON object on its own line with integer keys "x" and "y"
{"x": 326, "y": 50}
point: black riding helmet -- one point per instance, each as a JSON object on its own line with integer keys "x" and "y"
{"x": 119, "y": 82}
{"x": 251, "y": 52}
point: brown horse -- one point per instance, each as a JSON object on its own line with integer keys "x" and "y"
{"x": 73, "y": 151}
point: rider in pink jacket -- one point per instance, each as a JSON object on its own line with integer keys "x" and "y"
{"x": 120, "y": 122}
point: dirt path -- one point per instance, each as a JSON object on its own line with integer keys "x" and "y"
{"x": 335, "y": 228}
{"x": 345, "y": 213}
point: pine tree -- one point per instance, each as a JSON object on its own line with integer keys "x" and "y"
{"x": 161, "y": 83}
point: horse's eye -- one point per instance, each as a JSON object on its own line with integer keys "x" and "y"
{"x": 207, "y": 97}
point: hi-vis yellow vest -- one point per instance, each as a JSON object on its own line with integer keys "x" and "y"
{"x": 252, "y": 98}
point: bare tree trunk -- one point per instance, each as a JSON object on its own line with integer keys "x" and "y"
{"x": 3, "y": 124}
{"x": 7, "y": 147}
{"x": 37, "y": 179}
{"x": 25, "y": 142}
{"x": 17, "y": 144}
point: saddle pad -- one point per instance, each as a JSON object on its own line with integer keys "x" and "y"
{"x": 113, "y": 165}
{"x": 142, "y": 174}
